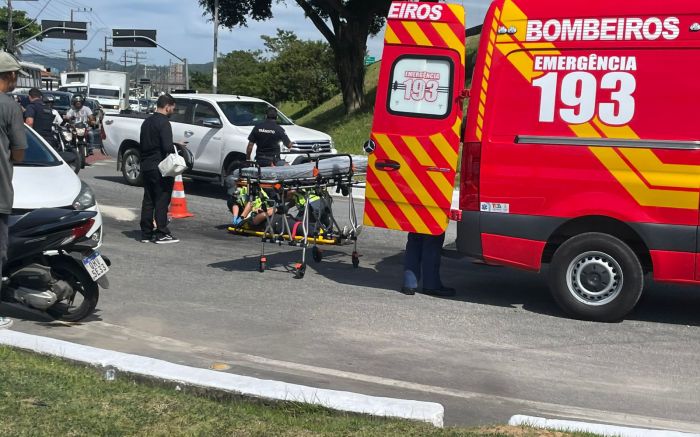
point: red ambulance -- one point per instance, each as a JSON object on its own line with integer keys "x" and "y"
{"x": 581, "y": 149}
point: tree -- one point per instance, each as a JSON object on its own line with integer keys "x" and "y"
{"x": 345, "y": 24}
{"x": 23, "y": 26}
{"x": 300, "y": 71}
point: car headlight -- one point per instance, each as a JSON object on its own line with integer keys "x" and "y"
{"x": 85, "y": 199}
{"x": 283, "y": 148}
{"x": 67, "y": 136}
{"x": 332, "y": 143}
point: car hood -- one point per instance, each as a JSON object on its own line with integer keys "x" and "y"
{"x": 45, "y": 187}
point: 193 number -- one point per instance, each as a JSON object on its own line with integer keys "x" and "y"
{"x": 579, "y": 95}
{"x": 420, "y": 89}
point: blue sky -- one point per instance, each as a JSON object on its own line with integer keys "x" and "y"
{"x": 181, "y": 27}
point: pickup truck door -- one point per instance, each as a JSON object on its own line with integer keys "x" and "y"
{"x": 205, "y": 136}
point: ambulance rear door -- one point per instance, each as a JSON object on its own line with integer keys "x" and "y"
{"x": 414, "y": 146}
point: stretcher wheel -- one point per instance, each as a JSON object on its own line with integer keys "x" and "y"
{"x": 299, "y": 271}
{"x": 317, "y": 254}
{"x": 355, "y": 260}
{"x": 263, "y": 265}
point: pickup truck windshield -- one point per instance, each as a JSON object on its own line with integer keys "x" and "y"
{"x": 103, "y": 92}
{"x": 249, "y": 113}
{"x": 37, "y": 153}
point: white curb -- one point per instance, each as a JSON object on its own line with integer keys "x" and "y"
{"x": 430, "y": 412}
{"x": 594, "y": 428}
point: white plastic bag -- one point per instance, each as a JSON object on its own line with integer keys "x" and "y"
{"x": 172, "y": 165}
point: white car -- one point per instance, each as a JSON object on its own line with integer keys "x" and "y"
{"x": 134, "y": 105}
{"x": 216, "y": 129}
{"x": 44, "y": 180}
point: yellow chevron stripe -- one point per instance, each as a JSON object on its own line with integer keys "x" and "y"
{"x": 458, "y": 12}
{"x": 451, "y": 39}
{"x": 644, "y": 195}
{"x": 368, "y": 221}
{"x": 416, "y": 33}
{"x": 418, "y": 150}
{"x": 390, "y": 37}
{"x": 423, "y": 196}
{"x": 457, "y": 127}
{"x": 397, "y": 196}
{"x": 655, "y": 171}
{"x": 379, "y": 206}
{"x": 447, "y": 151}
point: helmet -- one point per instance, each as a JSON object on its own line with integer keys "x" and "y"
{"x": 77, "y": 99}
{"x": 48, "y": 98}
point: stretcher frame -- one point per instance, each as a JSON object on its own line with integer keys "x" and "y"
{"x": 281, "y": 192}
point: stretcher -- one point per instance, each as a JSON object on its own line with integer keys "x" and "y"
{"x": 283, "y": 189}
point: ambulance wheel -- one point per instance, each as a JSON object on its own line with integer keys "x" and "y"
{"x": 596, "y": 277}
{"x": 299, "y": 271}
{"x": 355, "y": 260}
{"x": 317, "y": 254}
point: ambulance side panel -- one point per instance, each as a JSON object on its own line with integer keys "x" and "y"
{"x": 586, "y": 136}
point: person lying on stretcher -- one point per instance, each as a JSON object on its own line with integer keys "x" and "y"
{"x": 243, "y": 207}
{"x": 319, "y": 209}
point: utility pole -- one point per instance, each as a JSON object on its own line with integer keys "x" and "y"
{"x": 9, "y": 46}
{"x": 215, "y": 73}
{"x": 106, "y": 50}
{"x": 10, "y": 42}
{"x": 72, "y": 59}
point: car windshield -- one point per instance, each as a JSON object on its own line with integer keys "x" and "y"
{"x": 73, "y": 89}
{"x": 37, "y": 153}
{"x": 60, "y": 99}
{"x": 103, "y": 92}
{"x": 249, "y": 113}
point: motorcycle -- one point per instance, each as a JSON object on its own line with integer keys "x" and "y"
{"x": 42, "y": 271}
{"x": 63, "y": 137}
{"x": 80, "y": 142}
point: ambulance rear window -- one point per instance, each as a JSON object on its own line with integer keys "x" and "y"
{"x": 421, "y": 86}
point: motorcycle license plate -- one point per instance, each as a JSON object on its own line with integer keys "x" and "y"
{"x": 95, "y": 265}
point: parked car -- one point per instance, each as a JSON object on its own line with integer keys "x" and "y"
{"x": 134, "y": 105}
{"x": 216, "y": 128}
{"x": 44, "y": 180}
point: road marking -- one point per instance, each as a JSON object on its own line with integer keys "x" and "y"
{"x": 258, "y": 362}
{"x": 119, "y": 213}
{"x": 593, "y": 428}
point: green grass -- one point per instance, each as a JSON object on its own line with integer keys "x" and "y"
{"x": 46, "y": 396}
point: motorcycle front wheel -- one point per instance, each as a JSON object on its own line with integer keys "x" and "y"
{"x": 85, "y": 291}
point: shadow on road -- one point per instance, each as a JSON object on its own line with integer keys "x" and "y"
{"x": 116, "y": 179}
{"x": 476, "y": 283}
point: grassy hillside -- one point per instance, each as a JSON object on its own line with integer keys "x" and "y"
{"x": 351, "y": 131}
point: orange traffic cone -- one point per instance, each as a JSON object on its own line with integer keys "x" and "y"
{"x": 178, "y": 202}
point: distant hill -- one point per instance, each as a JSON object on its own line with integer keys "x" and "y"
{"x": 61, "y": 64}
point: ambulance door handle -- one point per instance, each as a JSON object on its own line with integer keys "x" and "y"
{"x": 387, "y": 165}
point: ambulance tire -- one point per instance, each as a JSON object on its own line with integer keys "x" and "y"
{"x": 596, "y": 277}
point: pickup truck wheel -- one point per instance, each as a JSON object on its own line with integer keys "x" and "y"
{"x": 131, "y": 167}
{"x": 596, "y": 276}
{"x": 231, "y": 167}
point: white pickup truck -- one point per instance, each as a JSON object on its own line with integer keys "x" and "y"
{"x": 215, "y": 129}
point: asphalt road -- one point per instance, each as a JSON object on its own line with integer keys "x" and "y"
{"x": 500, "y": 348}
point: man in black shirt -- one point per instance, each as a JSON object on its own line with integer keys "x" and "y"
{"x": 267, "y": 135}
{"x": 40, "y": 117}
{"x": 156, "y": 144}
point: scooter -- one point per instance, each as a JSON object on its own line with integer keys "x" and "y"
{"x": 52, "y": 266}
